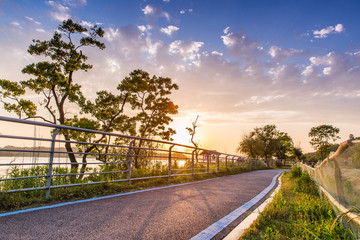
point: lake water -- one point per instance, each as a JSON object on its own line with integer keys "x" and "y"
{"x": 37, "y": 160}
{"x": 56, "y": 162}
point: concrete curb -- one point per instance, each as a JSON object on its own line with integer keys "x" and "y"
{"x": 236, "y": 233}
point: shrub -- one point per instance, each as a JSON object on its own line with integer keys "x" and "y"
{"x": 306, "y": 185}
{"x": 295, "y": 172}
{"x": 278, "y": 164}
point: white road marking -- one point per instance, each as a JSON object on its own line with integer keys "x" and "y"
{"x": 218, "y": 226}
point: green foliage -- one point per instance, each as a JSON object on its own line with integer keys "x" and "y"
{"x": 54, "y": 79}
{"x": 12, "y": 92}
{"x": 278, "y": 164}
{"x": 297, "y": 212}
{"x": 304, "y": 184}
{"x": 296, "y": 153}
{"x": 295, "y": 172}
{"x": 150, "y": 97}
{"x": 320, "y": 137}
{"x": 266, "y": 142}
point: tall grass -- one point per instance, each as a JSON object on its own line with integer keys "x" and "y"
{"x": 297, "y": 212}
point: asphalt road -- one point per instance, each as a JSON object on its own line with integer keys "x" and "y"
{"x": 179, "y": 212}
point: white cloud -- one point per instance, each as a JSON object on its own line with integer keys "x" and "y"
{"x": 60, "y": 12}
{"x": 148, "y": 10}
{"x": 184, "y": 11}
{"x": 327, "y": 71}
{"x": 216, "y": 53}
{"x": 281, "y": 54}
{"x": 142, "y": 28}
{"x": 226, "y": 30}
{"x": 75, "y": 3}
{"x": 323, "y": 33}
{"x": 153, "y": 11}
{"x": 239, "y": 45}
{"x": 169, "y": 30}
{"x": 308, "y": 71}
{"x": 339, "y": 28}
{"x": 15, "y": 24}
{"x": 86, "y": 24}
{"x": 40, "y": 30}
{"x": 323, "y": 60}
{"x": 111, "y": 34}
{"x": 32, "y": 20}
{"x": 187, "y": 50}
{"x": 260, "y": 99}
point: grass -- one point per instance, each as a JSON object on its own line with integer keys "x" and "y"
{"x": 21, "y": 200}
{"x": 297, "y": 212}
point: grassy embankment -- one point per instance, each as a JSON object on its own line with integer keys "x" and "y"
{"x": 20, "y": 200}
{"x": 297, "y": 212}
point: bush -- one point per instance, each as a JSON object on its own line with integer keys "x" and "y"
{"x": 295, "y": 172}
{"x": 306, "y": 185}
{"x": 278, "y": 164}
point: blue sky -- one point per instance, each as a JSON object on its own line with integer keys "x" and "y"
{"x": 239, "y": 64}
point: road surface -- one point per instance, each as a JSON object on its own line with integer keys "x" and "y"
{"x": 179, "y": 212}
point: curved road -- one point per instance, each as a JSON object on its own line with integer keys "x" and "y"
{"x": 179, "y": 212}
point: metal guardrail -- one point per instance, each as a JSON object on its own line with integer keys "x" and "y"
{"x": 110, "y": 161}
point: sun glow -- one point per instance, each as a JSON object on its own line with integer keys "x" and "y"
{"x": 182, "y": 135}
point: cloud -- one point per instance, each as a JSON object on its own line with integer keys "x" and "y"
{"x": 169, "y": 30}
{"x": 184, "y": 11}
{"x": 32, "y": 20}
{"x": 261, "y": 99}
{"x": 239, "y": 45}
{"x": 16, "y": 24}
{"x": 153, "y": 11}
{"x": 226, "y": 30}
{"x": 75, "y": 3}
{"x": 188, "y": 50}
{"x": 86, "y": 24}
{"x": 333, "y": 63}
{"x": 280, "y": 54}
{"x": 323, "y": 33}
{"x": 216, "y": 53}
{"x": 59, "y": 12}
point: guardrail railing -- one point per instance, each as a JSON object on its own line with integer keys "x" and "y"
{"x": 339, "y": 177}
{"x": 70, "y": 156}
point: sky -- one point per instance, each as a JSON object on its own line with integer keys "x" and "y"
{"x": 239, "y": 64}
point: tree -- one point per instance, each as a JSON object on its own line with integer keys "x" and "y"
{"x": 248, "y": 146}
{"x": 192, "y": 131}
{"x": 320, "y": 137}
{"x": 266, "y": 142}
{"x": 296, "y": 154}
{"x": 266, "y": 137}
{"x": 283, "y": 146}
{"x": 54, "y": 80}
{"x": 149, "y": 97}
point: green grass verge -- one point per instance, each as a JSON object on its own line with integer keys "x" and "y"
{"x": 297, "y": 212}
{"x": 21, "y": 200}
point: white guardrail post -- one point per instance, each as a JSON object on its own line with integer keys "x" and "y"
{"x": 169, "y": 163}
{"x": 129, "y": 162}
{"x": 51, "y": 159}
